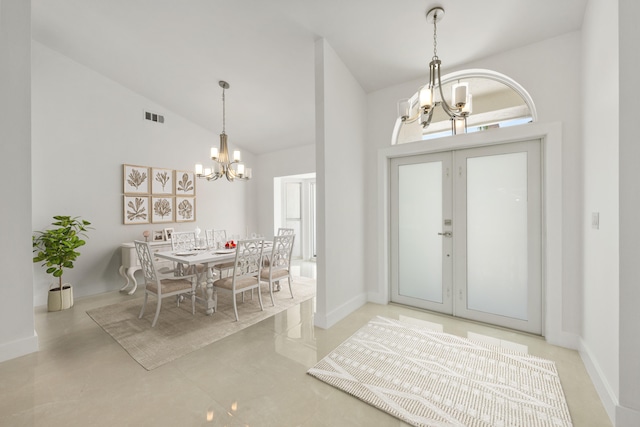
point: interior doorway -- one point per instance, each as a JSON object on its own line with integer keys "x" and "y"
{"x": 295, "y": 207}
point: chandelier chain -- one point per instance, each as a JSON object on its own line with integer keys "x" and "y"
{"x": 223, "y": 111}
{"x": 435, "y": 37}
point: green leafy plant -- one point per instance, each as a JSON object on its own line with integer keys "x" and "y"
{"x": 57, "y": 246}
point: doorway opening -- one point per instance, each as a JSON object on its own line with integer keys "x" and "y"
{"x": 295, "y": 207}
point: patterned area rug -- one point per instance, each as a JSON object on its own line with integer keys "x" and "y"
{"x": 178, "y": 332}
{"x": 429, "y": 378}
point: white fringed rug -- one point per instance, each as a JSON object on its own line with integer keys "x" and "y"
{"x": 429, "y": 378}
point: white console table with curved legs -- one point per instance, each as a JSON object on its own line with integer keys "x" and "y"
{"x": 131, "y": 264}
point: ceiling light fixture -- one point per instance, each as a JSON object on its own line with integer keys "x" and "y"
{"x": 423, "y": 103}
{"x": 222, "y": 167}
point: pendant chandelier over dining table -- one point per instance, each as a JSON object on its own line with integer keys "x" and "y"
{"x": 424, "y": 103}
{"x": 222, "y": 166}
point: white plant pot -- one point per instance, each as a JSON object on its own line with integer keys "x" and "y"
{"x": 60, "y": 301}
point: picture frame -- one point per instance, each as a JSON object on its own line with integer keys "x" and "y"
{"x": 162, "y": 181}
{"x": 135, "y": 210}
{"x": 135, "y": 179}
{"x": 158, "y": 236}
{"x": 185, "y": 183}
{"x": 167, "y": 233}
{"x": 185, "y": 209}
{"x": 162, "y": 209}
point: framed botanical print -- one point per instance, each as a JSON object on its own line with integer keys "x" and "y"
{"x": 185, "y": 209}
{"x": 136, "y": 210}
{"x": 161, "y": 181}
{"x": 136, "y": 179}
{"x": 185, "y": 183}
{"x": 162, "y": 209}
{"x": 158, "y": 236}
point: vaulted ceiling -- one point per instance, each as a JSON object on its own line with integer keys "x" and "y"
{"x": 174, "y": 52}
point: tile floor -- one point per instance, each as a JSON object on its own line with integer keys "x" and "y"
{"x": 256, "y": 377}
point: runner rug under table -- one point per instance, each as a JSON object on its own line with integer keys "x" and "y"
{"x": 178, "y": 332}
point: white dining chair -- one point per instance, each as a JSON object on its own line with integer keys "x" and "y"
{"x": 279, "y": 266}
{"x": 286, "y": 231}
{"x": 246, "y": 271}
{"x": 220, "y": 236}
{"x": 208, "y": 235}
{"x": 163, "y": 285}
{"x": 186, "y": 241}
{"x": 183, "y": 240}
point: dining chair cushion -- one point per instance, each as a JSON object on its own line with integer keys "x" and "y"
{"x": 264, "y": 273}
{"x": 169, "y": 286}
{"x": 227, "y": 282}
{"x": 225, "y": 265}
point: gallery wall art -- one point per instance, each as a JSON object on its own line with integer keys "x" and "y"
{"x": 157, "y": 195}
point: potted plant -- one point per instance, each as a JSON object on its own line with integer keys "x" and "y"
{"x": 57, "y": 248}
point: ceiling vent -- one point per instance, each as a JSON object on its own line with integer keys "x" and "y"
{"x": 154, "y": 117}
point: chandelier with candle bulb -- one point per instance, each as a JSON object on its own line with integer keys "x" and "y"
{"x": 423, "y": 104}
{"x": 222, "y": 166}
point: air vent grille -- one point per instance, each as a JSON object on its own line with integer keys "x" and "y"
{"x": 154, "y": 117}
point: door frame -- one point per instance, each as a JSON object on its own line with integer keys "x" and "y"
{"x": 307, "y": 212}
{"x": 551, "y": 137}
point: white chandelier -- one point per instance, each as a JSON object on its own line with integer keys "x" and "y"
{"x": 222, "y": 167}
{"x": 422, "y": 105}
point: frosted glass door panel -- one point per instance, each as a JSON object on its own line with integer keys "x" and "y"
{"x": 466, "y": 233}
{"x": 420, "y": 220}
{"x": 497, "y": 236}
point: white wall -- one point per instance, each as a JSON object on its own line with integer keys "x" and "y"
{"x": 546, "y": 70}
{"x": 85, "y": 127}
{"x": 293, "y": 161}
{"x": 628, "y": 412}
{"x": 600, "y": 342}
{"x": 341, "y": 112}
{"x": 17, "y": 334}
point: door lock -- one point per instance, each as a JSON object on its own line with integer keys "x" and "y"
{"x": 445, "y": 234}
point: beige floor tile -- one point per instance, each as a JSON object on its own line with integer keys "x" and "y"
{"x": 256, "y": 377}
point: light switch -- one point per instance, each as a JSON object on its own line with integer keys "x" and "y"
{"x": 595, "y": 220}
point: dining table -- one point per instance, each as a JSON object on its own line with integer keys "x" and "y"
{"x": 209, "y": 258}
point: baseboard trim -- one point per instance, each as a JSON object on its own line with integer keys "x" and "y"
{"x": 342, "y": 311}
{"x": 563, "y": 339}
{"x": 627, "y": 417}
{"x": 18, "y": 348}
{"x": 378, "y": 298}
{"x": 608, "y": 397}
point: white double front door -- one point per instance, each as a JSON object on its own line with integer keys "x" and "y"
{"x": 466, "y": 234}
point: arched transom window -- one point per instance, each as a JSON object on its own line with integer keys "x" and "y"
{"x": 498, "y": 101}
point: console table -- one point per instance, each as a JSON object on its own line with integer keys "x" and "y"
{"x": 131, "y": 264}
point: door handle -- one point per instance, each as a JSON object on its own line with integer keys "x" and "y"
{"x": 445, "y": 234}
